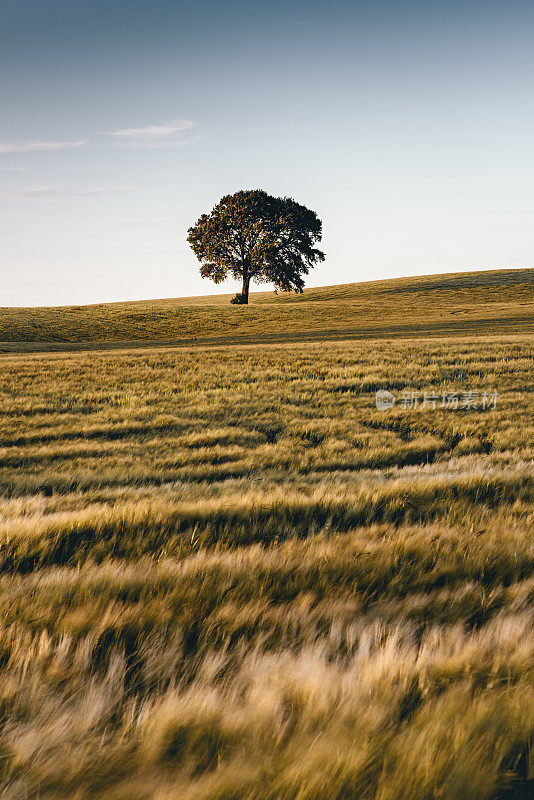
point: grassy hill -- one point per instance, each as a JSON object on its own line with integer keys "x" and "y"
{"x": 459, "y": 303}
{"x": 226, "y": 574}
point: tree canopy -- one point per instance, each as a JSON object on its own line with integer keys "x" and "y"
{"x": 253, "y": 236}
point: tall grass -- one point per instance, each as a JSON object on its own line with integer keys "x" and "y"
{"x": 225, "y": 575}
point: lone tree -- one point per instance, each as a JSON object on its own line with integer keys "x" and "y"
{"x": 255, "y": 237}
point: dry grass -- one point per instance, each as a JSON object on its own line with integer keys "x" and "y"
{"x": 225, "y": 575}
{"x": 472, "y": 303}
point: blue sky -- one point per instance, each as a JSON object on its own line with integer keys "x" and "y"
{"x": 407, "y": 126}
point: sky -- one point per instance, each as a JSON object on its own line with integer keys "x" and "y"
{"x": 407, "y": 126}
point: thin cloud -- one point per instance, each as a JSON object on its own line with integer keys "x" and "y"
{"x": 38, "y": 147}
{"x": 14, "y": 169}
{"x": 153, "y": 131}
{"x": 158, "y": 144}
{"x": 164, "y": 135}
{"x": 54, "y": 191}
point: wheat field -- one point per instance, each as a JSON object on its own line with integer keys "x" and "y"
{"x": 226, "y": 575}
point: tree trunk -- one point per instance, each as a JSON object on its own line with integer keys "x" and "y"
{"x": 244, "y": 290}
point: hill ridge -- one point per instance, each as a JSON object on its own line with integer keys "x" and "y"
{"x": 481, "y": 302}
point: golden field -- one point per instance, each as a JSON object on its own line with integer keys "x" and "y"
{"x": 226, "y": 575}
{"x": 472, "y": 303}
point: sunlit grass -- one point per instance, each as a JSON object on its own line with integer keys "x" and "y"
{"x": 224, "y": 574}
{"x": 498, "y": 301}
